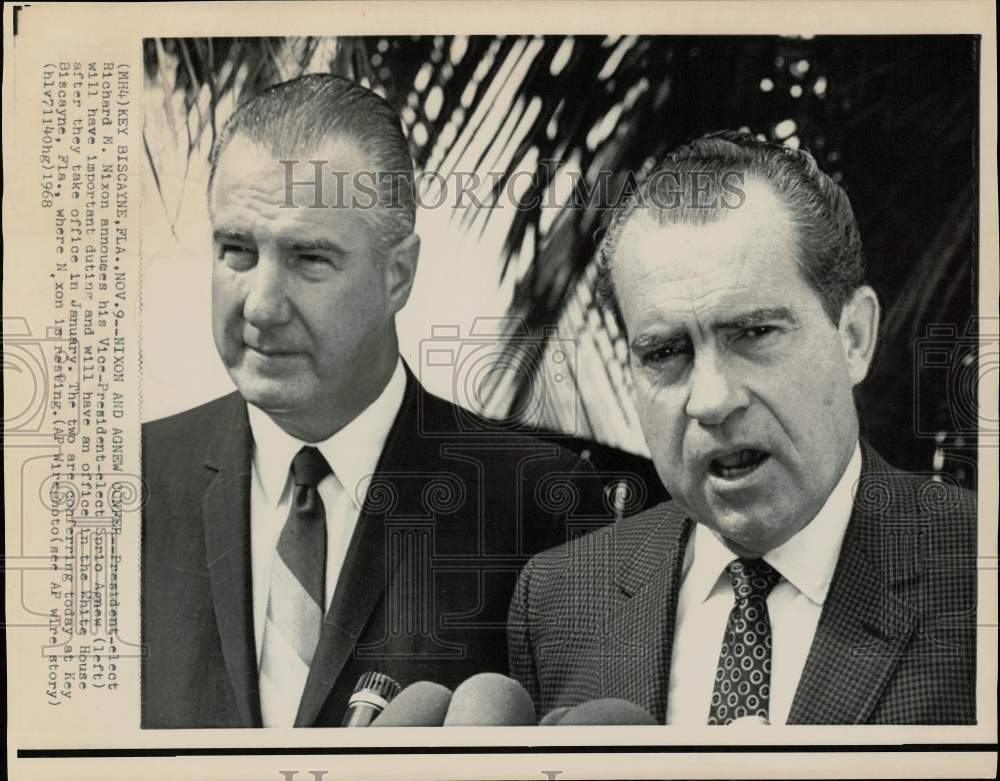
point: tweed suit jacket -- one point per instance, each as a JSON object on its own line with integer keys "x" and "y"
{"x": 448, "y": 521}
{"x": 895, "y": 643}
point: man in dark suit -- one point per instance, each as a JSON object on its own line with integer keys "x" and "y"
{"x": 330, "y": 517}
{"x": 794, "y": 577}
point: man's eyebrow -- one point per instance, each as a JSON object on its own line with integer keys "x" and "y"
{"x": 658, "y": 339}
{"x": 308, "y": 244}
{"x": 297, "y": 244}
{"x": 225, "y": 234}
{"x": 673, "y": 336}
{"x": 757, "y": 317}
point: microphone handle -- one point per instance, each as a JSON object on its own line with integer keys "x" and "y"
{"x": 361, "y": 714}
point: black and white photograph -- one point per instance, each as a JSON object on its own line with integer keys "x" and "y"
{"x": 720, "y": 274}
{"x": 542, "y": 391}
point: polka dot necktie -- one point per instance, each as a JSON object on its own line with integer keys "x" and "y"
{"x": 743, "y": 679}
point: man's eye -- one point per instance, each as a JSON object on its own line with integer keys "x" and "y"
{"x": 756, "y": 333}
{"x": 313, "y": 265}
{"x": 236, "y": 255}
{"x": 662, "y": 355}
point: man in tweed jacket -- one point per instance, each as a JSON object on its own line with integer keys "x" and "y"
{"x": 795, "y": 576}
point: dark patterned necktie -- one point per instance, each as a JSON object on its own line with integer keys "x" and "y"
{"x": 298, "y": 579}
{"x": 743, "y": 679}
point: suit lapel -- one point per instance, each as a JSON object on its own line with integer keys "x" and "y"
{"x": 862, "y": 630}
{"x": 641, "y": 632}
{"x": 367, "y": 571}
{"x": 226, "y": 516}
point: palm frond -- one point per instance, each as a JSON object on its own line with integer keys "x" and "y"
{"x": 892, "y": 118}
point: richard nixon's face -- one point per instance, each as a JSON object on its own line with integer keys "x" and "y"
{"x": 744, "y": 386}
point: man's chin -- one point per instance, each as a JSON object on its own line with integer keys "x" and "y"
{"x": 273, "y": 396}
{"x": 745, "y": 548}
{"x": 747, "y": 533}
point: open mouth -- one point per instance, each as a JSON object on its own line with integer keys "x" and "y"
{"x": 737, "y": 464}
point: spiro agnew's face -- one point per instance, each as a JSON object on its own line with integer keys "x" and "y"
{"x": 743, "y": 384}
{"x": 303, "y": 303}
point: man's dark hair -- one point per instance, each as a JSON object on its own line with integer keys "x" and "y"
{"x": 830, "y": 255}
{"x": 296, "y": 117}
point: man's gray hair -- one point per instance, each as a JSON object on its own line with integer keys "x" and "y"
{"x": 296, "y": 117}
{"x": 706, "y": 170}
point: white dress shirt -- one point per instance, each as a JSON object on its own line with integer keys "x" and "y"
{"x": 806, "y": 563}
{"x": 353, "y": 454}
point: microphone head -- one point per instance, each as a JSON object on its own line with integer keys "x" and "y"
{"x": 553, "y": 717}
{"x": 378, "y": 685}
{"x": 421, "y": 704}
{"x": 490, "y": 700}
{"x": 372, "y": 693}
{"x": 606, "y": 712}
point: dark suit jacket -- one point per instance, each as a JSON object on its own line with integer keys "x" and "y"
{"x": 450, "y": 518}
{"x": 895, "y": 642}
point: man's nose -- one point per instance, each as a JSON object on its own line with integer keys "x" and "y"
{"x": 266, "y": 303}
{"x": 714, "y": 391}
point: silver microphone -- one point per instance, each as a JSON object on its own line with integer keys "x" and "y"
{"x": 371, "y": 694}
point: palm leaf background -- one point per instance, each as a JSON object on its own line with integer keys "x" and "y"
{"x": 894, "y": 119}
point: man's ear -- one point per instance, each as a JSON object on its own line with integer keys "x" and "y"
{"x": 400, "y": 270}
{"x": 858, "y": 329}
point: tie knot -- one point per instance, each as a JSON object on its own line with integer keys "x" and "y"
{"x": 309, "y": 467}
{"x": 752, "y": 578}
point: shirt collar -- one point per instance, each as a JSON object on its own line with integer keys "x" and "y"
{"x": 352, "y": 453}
{"x": 709, "y": 558}
{"x": 807, "y": 560}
